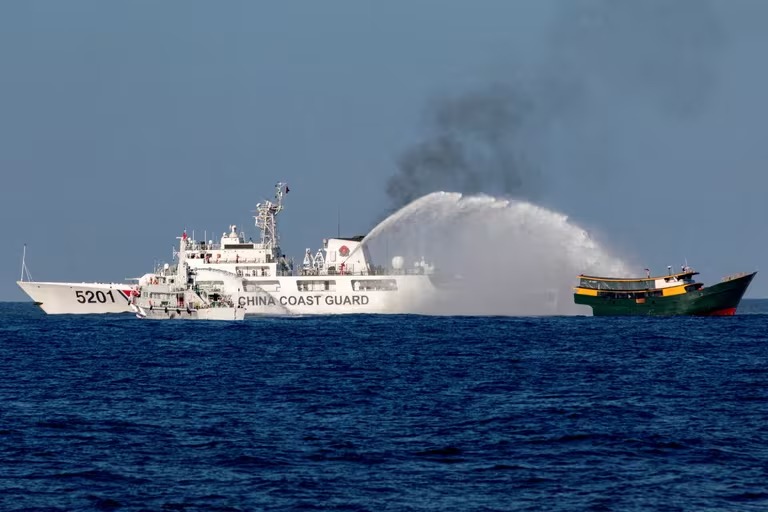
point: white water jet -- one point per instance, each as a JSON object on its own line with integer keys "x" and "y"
{"x": 512, "y": 257}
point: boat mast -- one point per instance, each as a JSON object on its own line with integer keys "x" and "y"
{"x": 266, "y": 218}
{"x": 181, "y": 271}
{"x": 24, "y": 269}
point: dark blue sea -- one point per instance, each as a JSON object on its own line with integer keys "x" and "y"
{"x": 370, "y": 413}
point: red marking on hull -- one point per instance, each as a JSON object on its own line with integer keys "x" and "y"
{"x": 127, "y": 294}
{"x": 723, "y": 312}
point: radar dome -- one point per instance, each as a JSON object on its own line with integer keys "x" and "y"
{"x": 397, "y": 263}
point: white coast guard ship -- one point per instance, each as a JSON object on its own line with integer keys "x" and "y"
{"x": 76, "y": 298}
{"x": 339, "y": 278}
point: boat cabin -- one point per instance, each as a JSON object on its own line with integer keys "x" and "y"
{"x": 638, "y": 288}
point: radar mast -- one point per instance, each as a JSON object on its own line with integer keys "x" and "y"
{"x": 266, "y": 217}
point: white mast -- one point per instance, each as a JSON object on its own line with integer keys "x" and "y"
{"x": 180, "y": 270}
{"x": 24, "y": 269}
{"x": 23, "y": 260}
{"x": 266, "y": 218}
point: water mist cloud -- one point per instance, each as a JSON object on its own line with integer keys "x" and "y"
{"x": 512, "y": 257}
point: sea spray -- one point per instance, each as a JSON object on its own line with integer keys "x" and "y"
{"x": 503, "y": 256}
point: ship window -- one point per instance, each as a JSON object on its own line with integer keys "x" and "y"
{"x": 374, "y": 284}
{"x": 253, "y": 271}
{"x": 316, "y": 285}
{"x": 262, "y": 286}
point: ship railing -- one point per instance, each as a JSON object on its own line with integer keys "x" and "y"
{"x": 375, "y": 271}
{"x": 200, "y": 246}
{"x": 735, "y": 276}
{"x": 212, "y": 259}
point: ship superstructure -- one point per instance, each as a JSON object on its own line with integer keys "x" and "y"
{"x": 339, "y": 277}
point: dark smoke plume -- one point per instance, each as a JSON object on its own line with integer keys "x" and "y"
{"x": 474, "y": 147}
{"x": 655, "y": 51}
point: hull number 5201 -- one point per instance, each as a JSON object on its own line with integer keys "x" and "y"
{"x": 92, "y": 297}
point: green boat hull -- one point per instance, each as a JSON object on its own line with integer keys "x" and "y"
{"x": 721, "y": 299}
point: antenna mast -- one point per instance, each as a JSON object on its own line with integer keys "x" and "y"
{"x": 266, "y": 217}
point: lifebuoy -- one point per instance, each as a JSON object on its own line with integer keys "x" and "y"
{"x": 344, "y": 250}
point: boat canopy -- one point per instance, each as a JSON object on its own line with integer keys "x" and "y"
{"x": 596, "y": 283}
{"x": 636, "y": 283}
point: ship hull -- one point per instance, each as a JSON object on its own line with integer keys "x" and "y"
{"x": 270, "y": 297}
{"x": 409, "y": 294}
{"x": 78, "y": 298}
{"x": 721, "y": 299}
{"x": 218, "y": 314}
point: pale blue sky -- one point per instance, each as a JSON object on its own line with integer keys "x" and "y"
{"x": 121, "y": 123}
